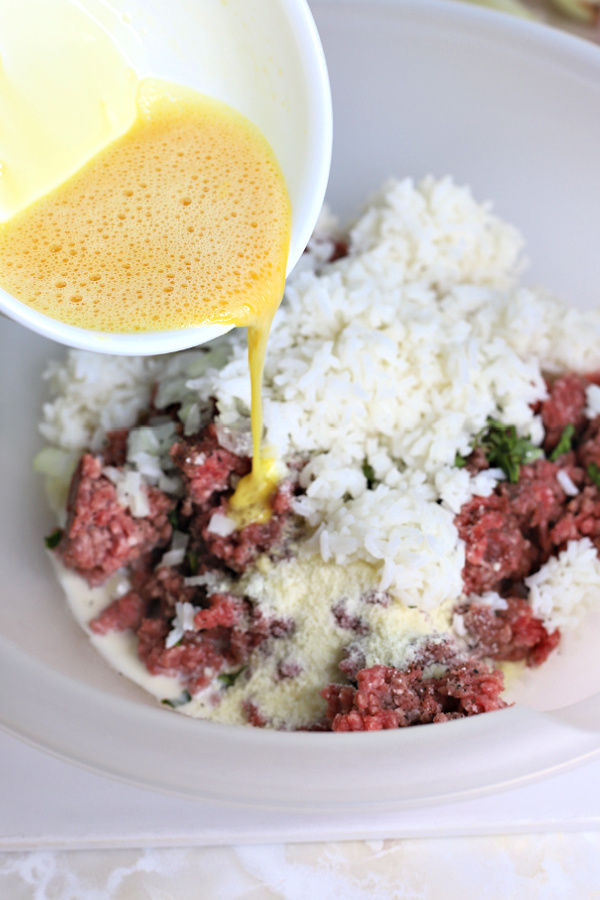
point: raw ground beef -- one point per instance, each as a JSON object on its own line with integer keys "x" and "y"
{"x": 101, "y": 536}
{"x": 515, "y": 530}
{"x": 239, "y": 550}
{"x": 495, "y": 548}
{"x": 210, "y": 473}
{"x": 511, "y": 634}
{"x": 508, "y": 536}
{"x": 565, "y": 406}
{"x": 438, "y": 687}
{"x": 206, "y": 467}
{"x": 224, "y": 635}
{"x": 226, "y": 628}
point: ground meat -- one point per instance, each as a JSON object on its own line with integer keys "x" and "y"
{"x": 225, "y": 635}
{"x": 347, "y": 620}
{"x": 238, "y": 550}
{"x": 162, "y": 587}
{"x": 377, "y": 598}
{"x": 114, "y": 450}
{"x": 515, "y": 530}
{"x": 477, "y": 461}
{"x": 510, "y": 634}
{"x": 195, "y": 660}
{"x": 537, "y": 498}
{"x": 210, "y": 474}
{"x": 122, "y": 614}
{"x": 339, "y": 251}
{"x": 288, "y": 668}
{"x": 101, "y": 535}
{"x": 564, "y": 406}
{"x": 206, "y": 467}
{"x": 223, "y": 609}
{"x": 588, "y": 450}
{"x": 537, "y": 501}
{"x": 353, "y": 660}
{"x": 385, "y": 697}
{"x": 495, "y": 547}
{"x": 226, "y": 628}
{"x": 253, "y": 714}
{"x": 581, "y": 518}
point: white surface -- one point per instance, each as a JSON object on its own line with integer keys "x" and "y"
{"x": 264, "y": 60}
{"x": 413, "y": 88}
{"x": 537, "y": 867}
{"x": 67, "y": 807}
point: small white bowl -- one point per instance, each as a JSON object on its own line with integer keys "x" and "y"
{"x": 264, "y": 58}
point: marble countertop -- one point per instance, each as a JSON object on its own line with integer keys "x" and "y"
{"x": 533, "y": 867}
{"x": 556, "y": 861}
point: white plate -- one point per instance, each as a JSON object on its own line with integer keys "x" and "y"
{"x": 421, "y": 86}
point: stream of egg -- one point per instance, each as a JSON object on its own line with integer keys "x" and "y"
{"x": 182, "y": 219}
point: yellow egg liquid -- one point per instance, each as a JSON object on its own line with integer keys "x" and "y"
{"x": 183, "y": 221}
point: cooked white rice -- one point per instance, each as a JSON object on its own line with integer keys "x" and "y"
{"x": 394, "y": 357}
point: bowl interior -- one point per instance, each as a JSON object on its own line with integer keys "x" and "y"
{"x": 419, "y": 87}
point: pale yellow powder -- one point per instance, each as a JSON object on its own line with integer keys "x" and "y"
{"x": 304, "y": 590}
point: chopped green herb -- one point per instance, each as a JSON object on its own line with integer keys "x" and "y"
{"x": 594, "y": 472}
{"x": 504, "y": 449}
{"x": 174, "y": 519}
{"x": 369, "y": 473}
{"x": 564, "y": 444}
{"x": 178, "y": 701}
{"x": 192, "y": 561}
{"x": 459, "y": 460}
{"x": 230, "y": 678}
{"x": 52, "y": 540}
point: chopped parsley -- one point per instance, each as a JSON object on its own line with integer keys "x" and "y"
{"x": 564, "y": 444}
{"x": 178, "y": 701}
{"x": 174, "y": 519}
{"x": 459, "y": 461}
{"x": 52, "y": 540}
{"x": 230, "y": 678}
{"x": 593, "y": 471}
{"x": 369, "y": 473}
{"x": 504, "y": 449}
{"x": 192, "y": 561}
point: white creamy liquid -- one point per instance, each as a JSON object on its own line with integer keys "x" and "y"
{"x": 120, "y": 647}
{"x": 303, "y": 590}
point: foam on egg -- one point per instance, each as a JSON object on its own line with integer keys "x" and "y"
{"x": 183, "y": 221}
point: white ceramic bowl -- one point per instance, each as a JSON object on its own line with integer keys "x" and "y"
{"x": 418, "y": 86}
{"x": 264, "y": 59}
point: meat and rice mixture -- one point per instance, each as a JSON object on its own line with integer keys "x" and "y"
{"x": 437, "y": 431}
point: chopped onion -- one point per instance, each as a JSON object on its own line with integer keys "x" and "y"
{"x": 221, "y": 525}
{"x": 238, "y": 442}
{"x": 566, "y": 483}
